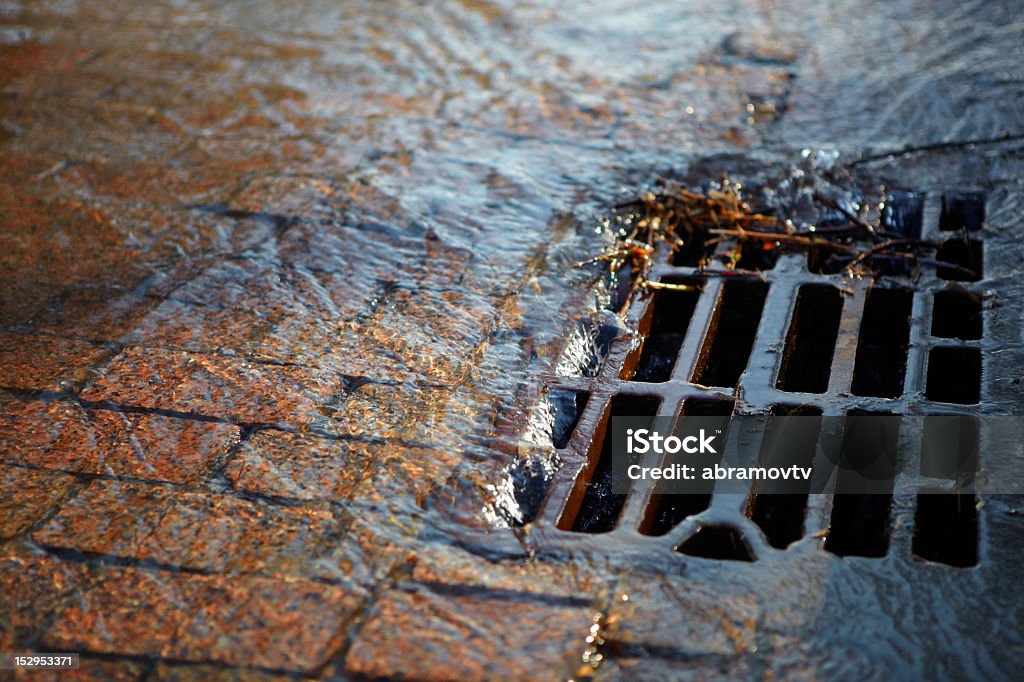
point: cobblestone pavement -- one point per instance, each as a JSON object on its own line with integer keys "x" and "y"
{"x": 276, "y": 279}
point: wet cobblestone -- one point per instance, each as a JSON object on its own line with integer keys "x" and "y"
{"x": 26, "y": 495}
{"x": 237, "y": 621}
{"x": 35, "y": 587}
{"x": 111, "y": 443}
{"x": 266, "y": 464}
{"x": 413, "y": 634}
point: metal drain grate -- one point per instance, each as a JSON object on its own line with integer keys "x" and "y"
{"x": 800, "y": 339}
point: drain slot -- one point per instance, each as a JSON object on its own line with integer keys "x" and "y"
{"x": 599, "y": 507}
{"x": 733, "y": 328}
{"x": 881, "y": 362}
{"x": 946, "y": 529}
{"x": 717, "y": 542}
{"x": 671, "y": 314}
{"x": 957, "y": 315}
{"x": 666, "y": 510}
{"x": 758, "y": 256}
{"x": 949, "y": 448}
{"x": 693, "y": 252}
{"x": 860, "y": 520}
{"x": 811, "y": 341}
{"x": 962, "y": 211}
{"x": 779, "y": 507}
{"x": 566, "y": 408}
{"x": 903, "y": 212}
{"x": 946, "y": 525}
{"x": 965, "y": 255}
{"x": 954, "y": 375}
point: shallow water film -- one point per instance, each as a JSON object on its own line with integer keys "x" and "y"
{"x": 315, "y": 317}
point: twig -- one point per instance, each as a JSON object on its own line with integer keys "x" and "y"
{"x": 671, "y": 286}
{"x": 855, "y": 219}
{"x": 796, "y": 240}
{"x": 948, "y": 266}
{"x": 886, "y": 245}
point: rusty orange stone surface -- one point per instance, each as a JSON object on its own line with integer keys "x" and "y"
{"x": 238, "y": 620}
{"x": 277, "y": 463}
{"x": 422, "y": 635}
{"x": 26, "y": 495}
{"x": 35, "y": 587}
{"x": 105, "y": 442}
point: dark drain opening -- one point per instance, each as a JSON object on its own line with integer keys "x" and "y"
{"x": 881, "y": 362}
{"x": 666, "y": 510}
{"x": 811, "y": 341}
{"x": 954, "y": 375}
{"x": 566, "y": 408}
{"x": 962, "y": 210}
{"x": 823, "y": 261}
{"x": 860, "y": 521}
{"x": 671, "y": 312}
{"x": 946, "y": 529}
{"x": 957, "y": 315}
{"x": 693, "y": 251}
{"x": 733, "y": 328}
{"x": 966, "y": 257}
{"x": 779, "y": 507}
{"x": 759, "y": 256}
{"x": 949, "y": 447}
{"x": 860, "y": 525}
{"x": 599, "y": 507}
{"x": 717, "y": 542}
{"x": 903, "y": 212}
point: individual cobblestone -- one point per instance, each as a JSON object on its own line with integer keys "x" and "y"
{"x": 26, "y": 495}
{"x": 108, "y": 517}
{"x": 215, "y": 386}
{"x": 39, "y": 363}
{"x": 33, "y": 586}
{"x": 412, "y": 634}
{"x": 221, "y": 534}
{"x": 253, "y": 621}
{"x": 281, "y": 464}
{"x": 140, "y": 446}
{"x": 191, "y": 530}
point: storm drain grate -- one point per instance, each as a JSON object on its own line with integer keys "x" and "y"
{"x": 798, "y": 339}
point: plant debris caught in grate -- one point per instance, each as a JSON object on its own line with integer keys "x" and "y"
{"x": 807, "y": 300}
{"x": 693, "y": 224}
